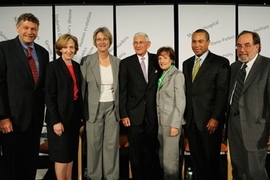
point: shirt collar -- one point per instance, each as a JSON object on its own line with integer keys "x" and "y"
{"x": 202, "y": 56}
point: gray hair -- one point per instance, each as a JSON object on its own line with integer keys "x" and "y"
{"x": 142, "y": 34}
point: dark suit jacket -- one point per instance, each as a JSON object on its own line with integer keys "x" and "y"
{"x": 59, "y": 88}
{"x": 138, "y": 97}
{"x": 206, "y": 97}
{"x": 20, "y": 99}
{"x": 254, "y": 104}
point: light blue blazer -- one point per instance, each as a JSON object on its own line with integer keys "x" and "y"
{"x": 171, "y": 100}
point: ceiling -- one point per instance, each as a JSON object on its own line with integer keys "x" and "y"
{"x": 30, "y": 2}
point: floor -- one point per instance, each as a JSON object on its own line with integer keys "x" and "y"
{"x": 41, "y": 173}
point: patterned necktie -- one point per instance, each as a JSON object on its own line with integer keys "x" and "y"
{"x": 32, "y": 64}
{"x": 196, "y": 68}
{"x": 240, "y": 78}
{"x": 144, "y": 69}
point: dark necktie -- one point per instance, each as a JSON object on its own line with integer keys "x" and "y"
{"x": 32, "y": 64}
{"x": 240, "y": 78}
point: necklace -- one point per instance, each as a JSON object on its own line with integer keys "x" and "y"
{"x": 104, "y": 62}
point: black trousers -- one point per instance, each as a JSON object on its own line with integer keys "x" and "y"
{"x": 143, "y": 150}
{"x": 205, "y": 152}
{"x": 20, "y": 153}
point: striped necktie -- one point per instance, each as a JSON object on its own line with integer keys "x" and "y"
{"x": 240, "y": 78}
{"x": 32, "y": 64}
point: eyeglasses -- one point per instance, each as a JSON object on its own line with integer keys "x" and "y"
{"x": 102, "y": 40}
{"x": 245, "y": 46}
{"x": 135, "y": 43}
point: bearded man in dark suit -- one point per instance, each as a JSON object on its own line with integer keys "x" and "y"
{"x": 249, "y": 117}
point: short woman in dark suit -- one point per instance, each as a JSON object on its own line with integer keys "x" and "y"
{"x": 171, "y": 104}
{"x": 64, "y": 106}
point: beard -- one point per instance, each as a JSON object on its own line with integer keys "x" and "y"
{"x": 243, "y": 60}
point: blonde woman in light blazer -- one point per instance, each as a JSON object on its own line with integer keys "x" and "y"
{"x": 170, "y": 108}
{"x": 100, "y": 94}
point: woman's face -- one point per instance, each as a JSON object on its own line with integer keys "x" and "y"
{"x": 68, "y": 51}
{"x": 164, "y": 61}
{"x": 102, "y": 42}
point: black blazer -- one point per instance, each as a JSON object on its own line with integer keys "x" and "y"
{"x": 20, "y": 99}
{"x": 59, "y": 88}
{"x": 137, "y": 98}
{"x": 207, "y": 96}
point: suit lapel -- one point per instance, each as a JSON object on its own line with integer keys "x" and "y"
{"x": 253, "y": 72}
{"x": 206, "y": 63}
{"x": 95, "y": 68}
{"x": 41, "y": 63}
{"x": 234, "y": 72}
{"x": 189, "y": 68}
{"x": 168, "y": 76}
{"x": 22, "y": 59}
{"x": 64, "y": 67}
{"x": 114, "y": 71}
{"x": 151, "y": 66}
{"x": 77, "y": 74}
{"x": 136, "y": 64}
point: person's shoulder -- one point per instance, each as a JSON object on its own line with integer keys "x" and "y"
{"x": 40, "y": 48}
{"x": 88, "y": 58}
{"x": 114, "y": 58}
{"x": 55, "y": 61}
{"x": 6, "y": 43}
{"x": 152, "y": 55}
{"x": 216, "y": 56}
{"x": 236, "y": 63}
{"x": 75, "y": 63}
{"x": 133, "y": 56}
{"x": 264, "y": 58}
{"x": 177, "y": 71}
{"x": 189, "y": 59}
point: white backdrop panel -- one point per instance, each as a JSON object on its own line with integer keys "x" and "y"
{"x": 157, "y": 21}
{"x": 82, "y": 21}
{"x": 9, "y": 17}
{"x": 256, "y": 18}
{"x": 218, "y": 20}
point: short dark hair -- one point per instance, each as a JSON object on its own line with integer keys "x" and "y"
{"x": 27, "y": 17}
{"x": 203, "y": 31}
{"x": 255, "y": 36}
{"x": 168, "y": 50}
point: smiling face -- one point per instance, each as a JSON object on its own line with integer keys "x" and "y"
{"x": 140, "y": 45}
{"x": 164, "y": 61}
{"x": 246, "y": 49}
{"x": 102, "y": 42}
{"x": 199, "y": 43}
{"x": 28, "y": 31}
{"x": 68, "y": 51}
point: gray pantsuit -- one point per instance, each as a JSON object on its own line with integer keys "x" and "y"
{"x": 102, "y": 128}
{"x": 170, "y": 108}
{"x": 102, "y": 144}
